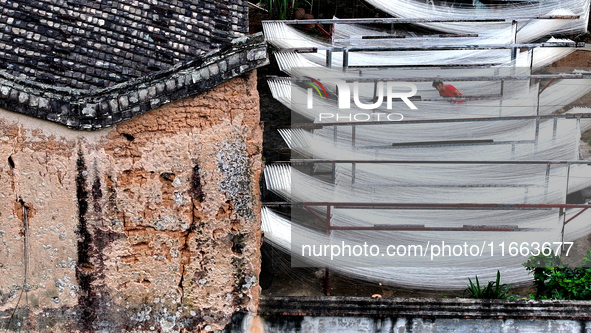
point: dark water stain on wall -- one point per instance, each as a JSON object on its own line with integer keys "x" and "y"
{"x": 84, "y": 268}
{"x": 197, "y": 185}
{"x": 93, "y": 298}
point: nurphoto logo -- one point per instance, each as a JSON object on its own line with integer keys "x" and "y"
{"x": 344, "y": 93}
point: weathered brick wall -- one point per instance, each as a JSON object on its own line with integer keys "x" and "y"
{"x": 151, "y": 225}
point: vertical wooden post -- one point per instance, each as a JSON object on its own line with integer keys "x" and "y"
{"x": 345, "y": 60}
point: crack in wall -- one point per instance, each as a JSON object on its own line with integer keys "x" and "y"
{"x": 185, "y": 255}
{"x": 23, "y": 316}
{"x": 11, "y": 173}
{"x": 197, "y": 197}
{"x": 24, "y": 212}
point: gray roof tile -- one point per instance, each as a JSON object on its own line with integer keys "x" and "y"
{"x": 136, "y": 38}
{"x": 89, "y": 64}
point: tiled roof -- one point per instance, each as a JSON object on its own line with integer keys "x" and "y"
{"x": 91, "y": 109}
{"x": 89, "y": 44}
{"x": 89, "y": 64}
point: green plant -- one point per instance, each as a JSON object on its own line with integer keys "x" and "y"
{"x": 553, "y": 280}
{"x": 541, "y": 266}
{"x": 493, "y": 290}
{"x": 283, "y": 9}
{"x": 584, "y": 37}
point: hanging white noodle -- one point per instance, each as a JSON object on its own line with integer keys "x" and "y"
{"x": 285, "y": 36}
{"x": 413, "y": 8}
{"x": 445, "y": 183}
{"x": 278, "y": 231}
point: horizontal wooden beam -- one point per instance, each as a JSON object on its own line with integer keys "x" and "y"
{"x": 430, "y": 47}
{"x": 423, "y": 20}
{"x": 428, "y": 143}
{"x": 561, "y": 76}
{"x": 527, "y": 162}
{"x": 453, "y": 120}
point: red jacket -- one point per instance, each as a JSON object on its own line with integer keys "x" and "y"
{"x": 450, "y": 91}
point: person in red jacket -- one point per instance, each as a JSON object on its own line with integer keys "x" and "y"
{"x": 447, "y": 90}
